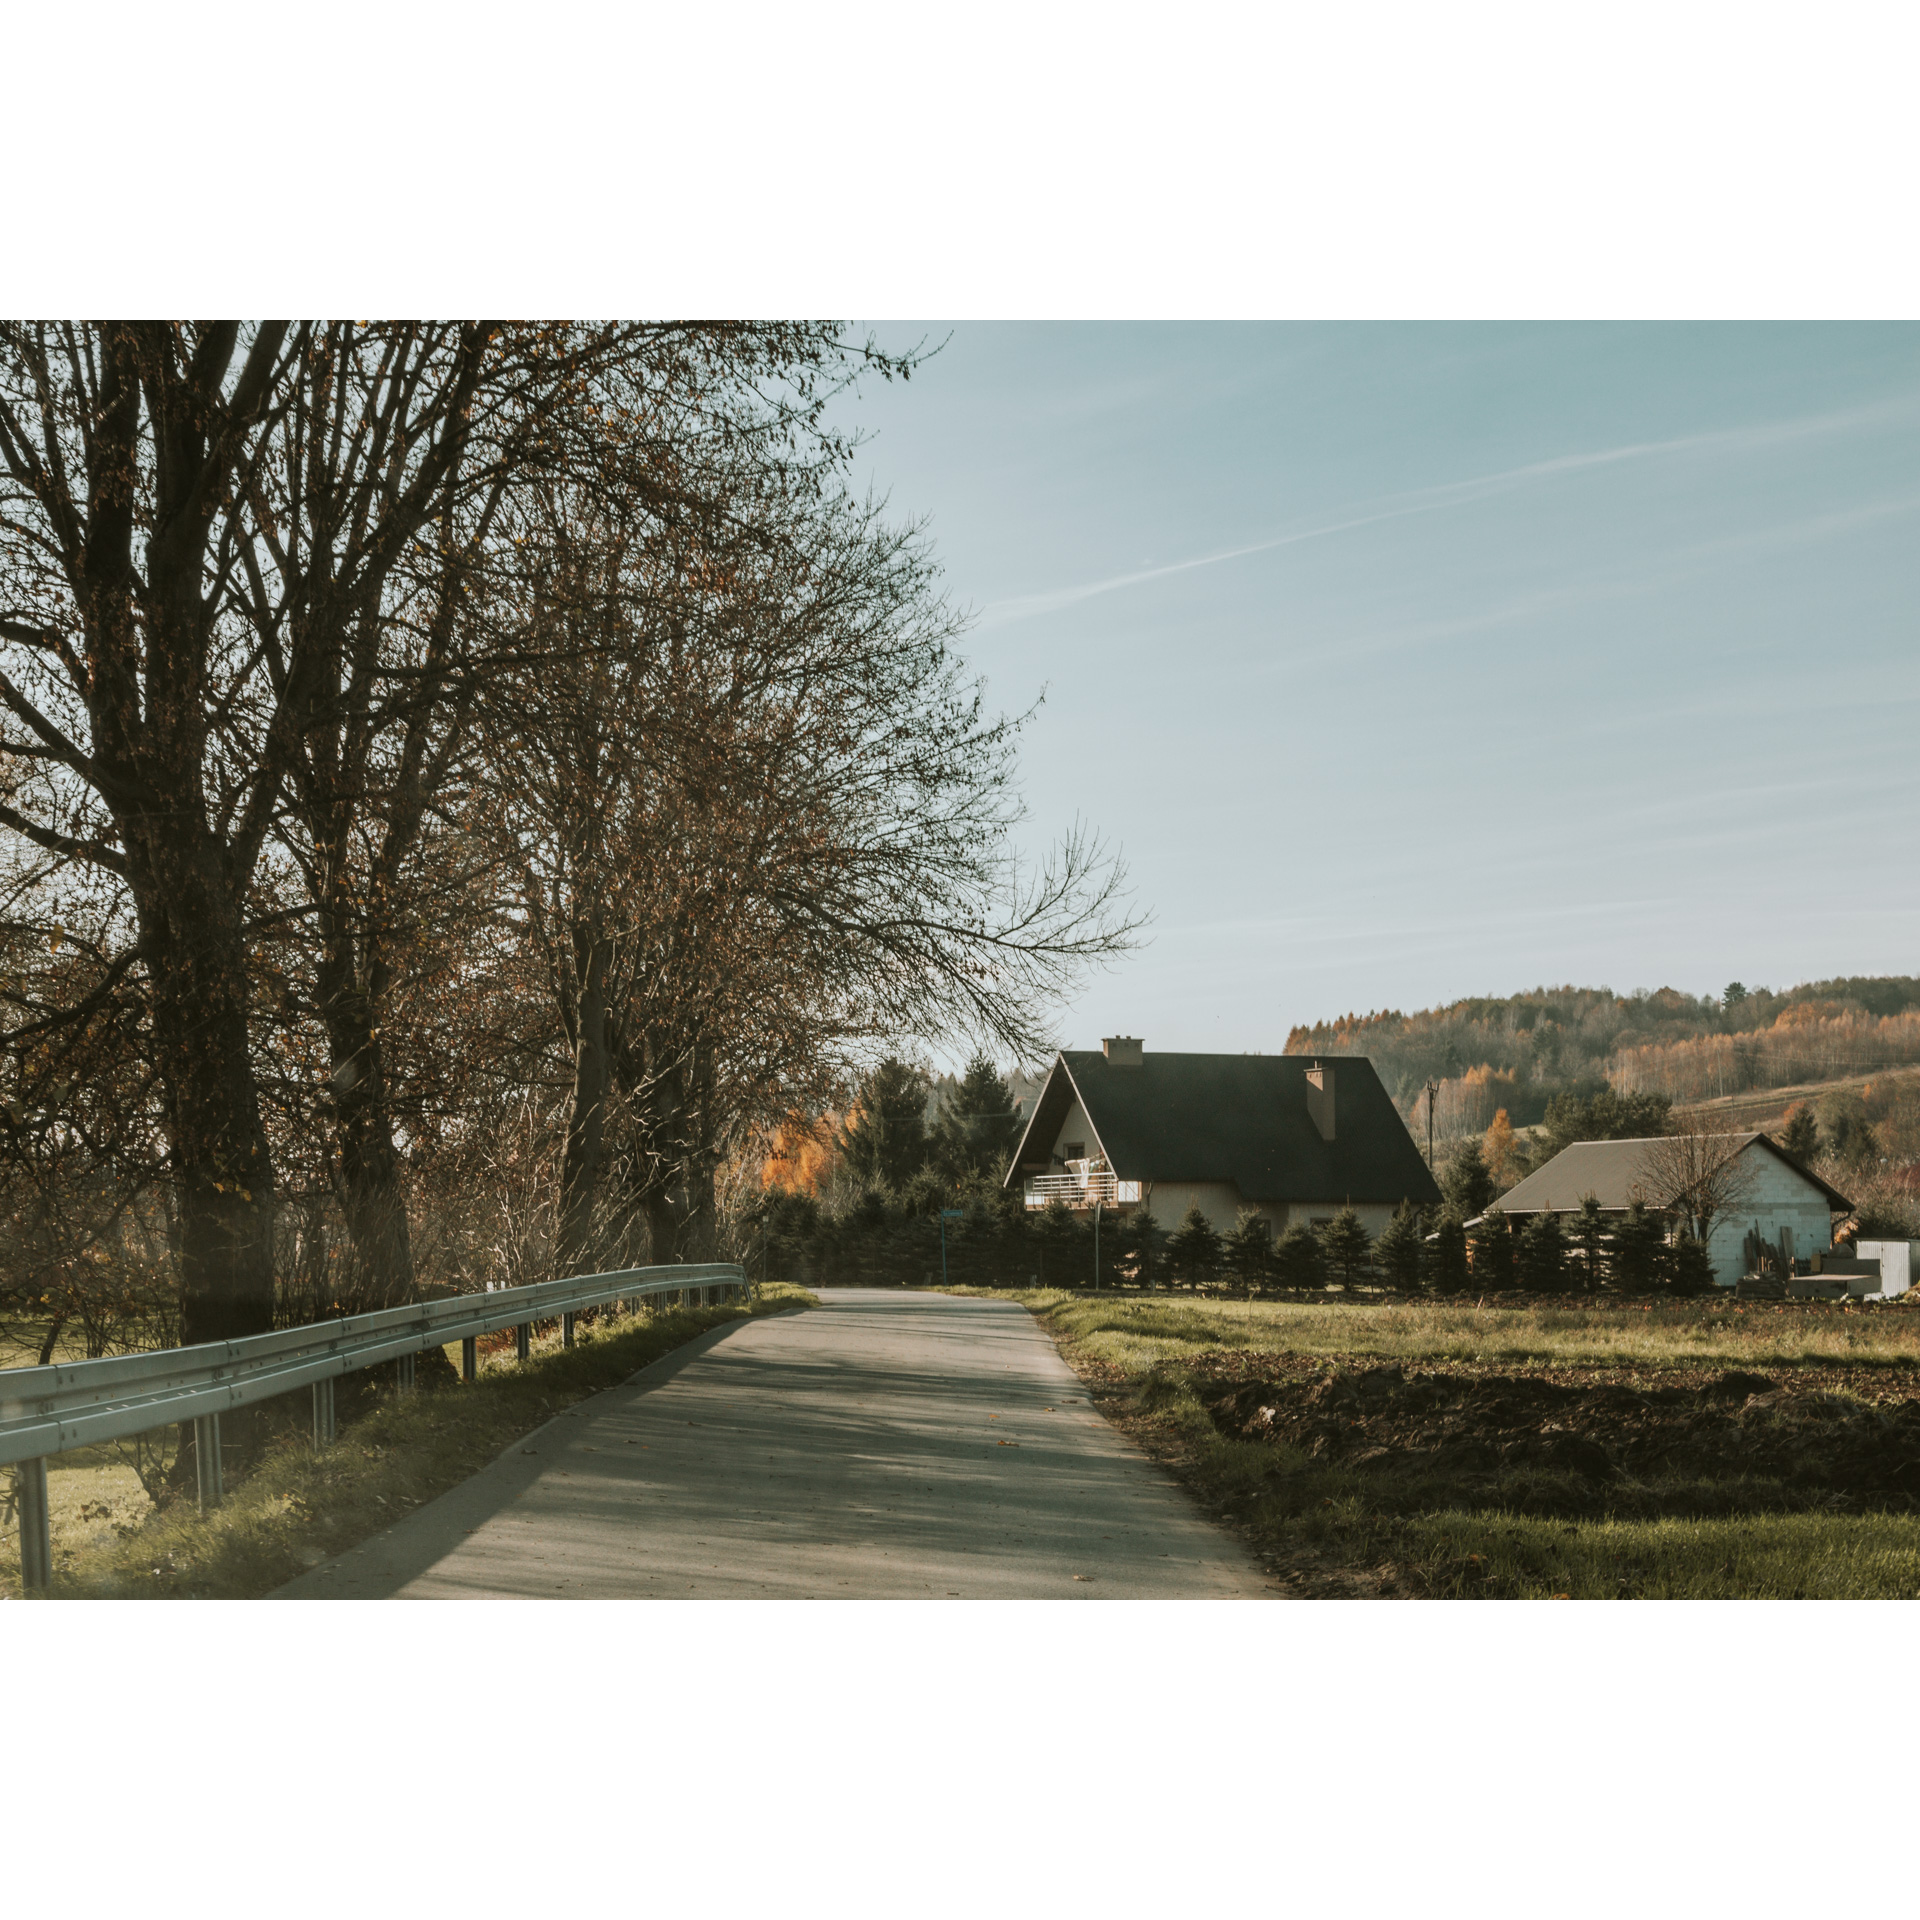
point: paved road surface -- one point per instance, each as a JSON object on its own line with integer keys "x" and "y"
{"x": 882, "y": 1446}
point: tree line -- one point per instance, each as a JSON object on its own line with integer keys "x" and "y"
{"x": 904, "y": 1199}
{"x": 459, "y": 784}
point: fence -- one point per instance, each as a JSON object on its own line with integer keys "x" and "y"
{"x": 50, "y": 1410}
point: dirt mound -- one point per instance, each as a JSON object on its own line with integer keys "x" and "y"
{"x": 1482, "y": 1429}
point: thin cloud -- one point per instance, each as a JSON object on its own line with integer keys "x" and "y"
{"x": 1452, "y": 493}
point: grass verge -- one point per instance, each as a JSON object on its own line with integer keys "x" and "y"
{"x": 1433, "y": 1451}
{"x": 297, "y": 1508}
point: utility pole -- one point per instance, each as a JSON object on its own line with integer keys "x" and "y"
{"x": 1433, "y": 1087}
{"x": 1096, "y": 1246}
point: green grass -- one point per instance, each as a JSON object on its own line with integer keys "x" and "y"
{"x": 1389, "y": 1528}
{"x": 297, "y": 1508}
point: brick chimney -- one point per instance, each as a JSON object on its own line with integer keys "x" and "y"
{"x": 1320, "y": 1098}
{"x": 1123, "y": 1053}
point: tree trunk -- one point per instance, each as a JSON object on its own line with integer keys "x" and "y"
{"x": 586, "y": 1116}
{"x": 372, "y": 1191}
{"x": 222, "y": 1168}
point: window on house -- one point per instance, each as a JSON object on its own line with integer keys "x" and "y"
{"x": 1073, "y": 1150}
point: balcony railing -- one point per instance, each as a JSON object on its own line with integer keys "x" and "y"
{"x": 1082, "y": 1185}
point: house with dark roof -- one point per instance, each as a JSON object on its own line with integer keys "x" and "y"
{"x": 1294, "y": 1138}
{"x": 1791, "y": 1210}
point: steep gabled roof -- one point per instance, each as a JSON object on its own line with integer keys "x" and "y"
{"x": 1614, "y": 1172}
{"x": 1239, "y": 1117}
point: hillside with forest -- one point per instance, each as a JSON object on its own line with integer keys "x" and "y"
{"x": 1488, "y": 1055}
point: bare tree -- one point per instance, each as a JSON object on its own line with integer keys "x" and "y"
{"x": 1697, "y": 1177}
{"x": 764, "y": 825}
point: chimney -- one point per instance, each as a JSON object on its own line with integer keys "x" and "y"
{"x": 1123, "y": 1053}
{"x": 1320, "y": 1098}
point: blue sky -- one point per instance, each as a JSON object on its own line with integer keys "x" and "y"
{"x": 1408, "y": 661}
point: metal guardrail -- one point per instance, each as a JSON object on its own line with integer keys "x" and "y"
{"x": 55, "y": 1409}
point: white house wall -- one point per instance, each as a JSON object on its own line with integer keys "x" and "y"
{"x": 1219, "y": 1202}
{"x": 1780, "y": 1198}
{"x": 1076, "y": 1127}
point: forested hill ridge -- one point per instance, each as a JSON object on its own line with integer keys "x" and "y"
{"x": 1517, "y": 1052}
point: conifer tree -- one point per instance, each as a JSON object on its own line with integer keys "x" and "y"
{"x": 1249, "y": 1249}
{"x": 1801, "y": 1135}
{"x": 1399, "y": 1249}
{"x": 1493, "y": 1253}
{"x": 1193, "y": 1249}
{"x": 1446, "y": 1255}
{"x": 1057, "y": 1235}
{"x": 1466, "y": 1183}
{"x": 884, "y": 1137}
{"x": 978, "y": 1125}
{"x": 1689, "y": 1267}
{"x": 1139, "y": 1242}
{"x": 1542, "y": 1254}
{"x": 1349, "y": 1251}
{"x": 1299, "y": 1261}
{"x": 1639, "y": 1249}
{"x": 1590, "y": 1234}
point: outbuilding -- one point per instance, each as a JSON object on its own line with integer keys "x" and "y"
{"x": 1777, "y": 1202}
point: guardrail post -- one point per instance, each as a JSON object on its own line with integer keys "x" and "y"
{"x": 323, "y": 1428}
{"x": 566, "y": 1329}
{"x": 522, "y": 1339}
{"x": 206, "y": 1460}
{"x": 469, "y": 1361}
{"x": 36, "y": 1526}
{"x": 403, "y": 1373}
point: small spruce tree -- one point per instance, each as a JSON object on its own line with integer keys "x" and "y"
{"x": 1349, "y": 1251}
{"x": 1689, "y": 1268}
{"x": 1193, "y": 1249}
{"x": 1248, "y": 1250}
{"x": 1590, "y": 1236}
{"x": 1801, "y": 1135}
{"x": 1299, "y": 1261}
{"x": 1056, "y": 1237}
{"x": 1446, "y": 1254}
{"x": 1139, "y": 1246}
{"x": 1542, "y": 1254}
{"x": 1493, "y": 1253}
{"x": 1466, "y": 1183}
{"x": 1639, "y": 1250}
{"x": 1398, "y": 1250}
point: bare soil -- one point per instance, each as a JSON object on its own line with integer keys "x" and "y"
{"x": 1570, "y": 1443}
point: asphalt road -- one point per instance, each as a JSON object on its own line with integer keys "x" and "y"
{"x": 882, "y": 1446}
